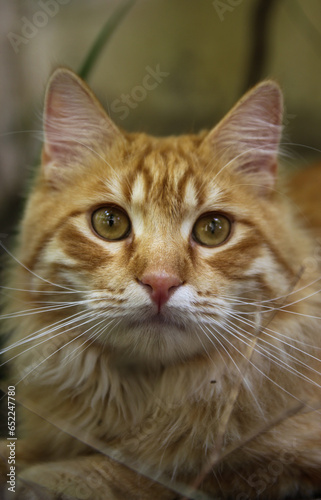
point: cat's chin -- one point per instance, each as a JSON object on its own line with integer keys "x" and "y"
{"x": 155, "y": 338}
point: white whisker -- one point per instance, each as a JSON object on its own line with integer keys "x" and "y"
{"x": 269, "y": 355}
{"x": 32, "y": 272}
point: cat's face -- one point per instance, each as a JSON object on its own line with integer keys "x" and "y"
{"x": 161, "y": 242}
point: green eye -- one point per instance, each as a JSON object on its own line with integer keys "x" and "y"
{"x": 212, "y": 230}
{"x": 111, "y": 223}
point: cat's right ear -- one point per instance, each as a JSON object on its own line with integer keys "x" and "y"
{"x": 247, "y": 139}
{"x": 75, "y": 125}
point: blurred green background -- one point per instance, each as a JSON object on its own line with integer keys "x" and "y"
{"x": 205, "y": 53}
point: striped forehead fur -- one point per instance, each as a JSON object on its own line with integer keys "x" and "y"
{"x": 163, "y": 172}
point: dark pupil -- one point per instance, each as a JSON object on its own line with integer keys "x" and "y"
{"x": 111, "y": 220}
{"x": 212, "y": 226}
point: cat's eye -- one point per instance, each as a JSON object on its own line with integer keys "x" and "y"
{"x": 111, "y": 223}
{"x": 212, "y": 229}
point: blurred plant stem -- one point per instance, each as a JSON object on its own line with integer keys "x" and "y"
{"x": 103, "y": 37}
{"x": 258, "y": 42}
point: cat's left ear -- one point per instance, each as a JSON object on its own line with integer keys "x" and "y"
{"x": 247, "y": 139}
{"x": 75, "y": 125}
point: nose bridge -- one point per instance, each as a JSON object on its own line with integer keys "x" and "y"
{"x": 160, "y": 272}
{"x": 164, "y": 257}
{"x": 160, "y": 254}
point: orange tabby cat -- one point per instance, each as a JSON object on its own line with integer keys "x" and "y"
{"x": 164, "y": 311}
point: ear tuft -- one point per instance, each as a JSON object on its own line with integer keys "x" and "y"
{"x": 247, "y": 139}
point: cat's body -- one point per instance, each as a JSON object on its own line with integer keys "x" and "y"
{"x": 165, "y": 351}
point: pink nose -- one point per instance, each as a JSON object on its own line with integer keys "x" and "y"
{"x": 160, "y": 286}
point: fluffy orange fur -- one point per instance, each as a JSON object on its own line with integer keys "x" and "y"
{"x": 209, "y": 390}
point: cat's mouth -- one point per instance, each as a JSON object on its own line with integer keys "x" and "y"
{"x": 161, "y": 320}
{"x": 158, "y": 319}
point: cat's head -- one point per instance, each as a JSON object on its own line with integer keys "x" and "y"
{"x": 160, "y": 241}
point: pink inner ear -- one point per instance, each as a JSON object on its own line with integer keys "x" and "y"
{"x": 57, "y": 145}
{"x": 75, "y": 124}
{"x": 247, "y": 139}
